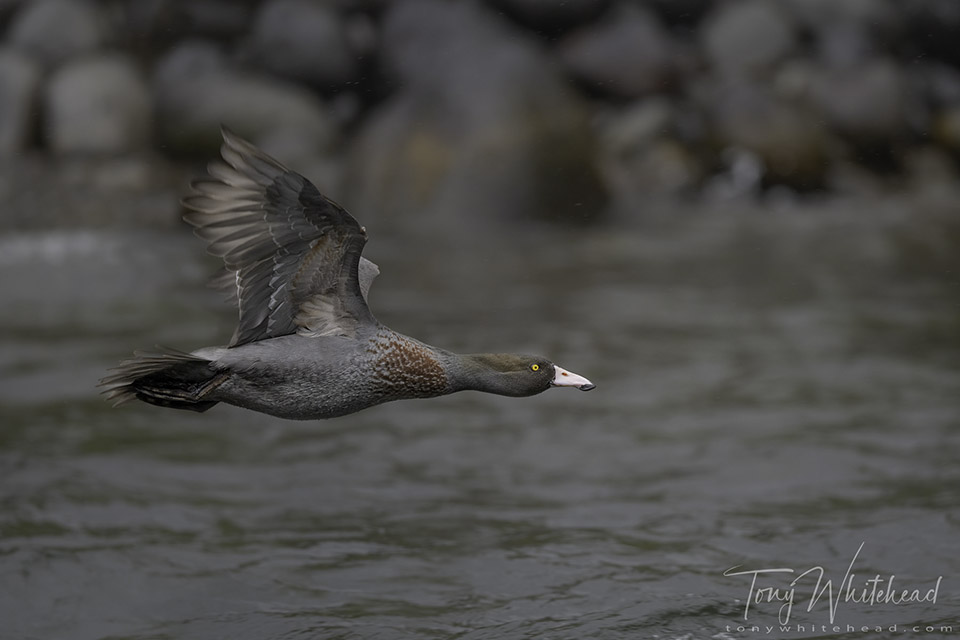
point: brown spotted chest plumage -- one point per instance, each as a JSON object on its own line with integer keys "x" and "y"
{"x": 405, "y": 367}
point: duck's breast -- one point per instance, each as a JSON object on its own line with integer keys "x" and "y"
{"x": 402, "y": 367}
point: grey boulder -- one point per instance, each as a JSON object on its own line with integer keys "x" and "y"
{"x": 627, "y": 54}
{"x": 98, "y": 105}
{"x": 54, "y": 31}
{"x": 196, "y": 90}
{"x": 507, "y": 139}
{"x": 748, "y": 38}
{"x": 19, "y": 87}
{"x": 305, "y": 40}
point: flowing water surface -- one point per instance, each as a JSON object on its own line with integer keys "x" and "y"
{"x": 772, "y": 392}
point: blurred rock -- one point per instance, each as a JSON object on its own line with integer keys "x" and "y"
{"x": 946, "y": 128}
{"x": 98, "y": 105}
{"x": 637, "y": 125}
{"x": 748, "y": 38}
{"x": 551, "y": 18}
{"x": 54, "y": 31}
{"x": 794, "y": 79}
{"x": 638, "y": 152}
{"x": 939, "y": 84}
{"x": 929, "y": 170}
{"x": 483, "y": 125}
{"x": 305, "y": 40}
{"x": 934, "y": 25}
{"x": 663, "y": 167}
{"x": 166, "y": 20}
{"x": 864, "y": 102}
{"x": 740, "y": 175}
{"x": 149, "y": 26}
{"x": 685, "y": 13}
{"x": 791, "y": 142}
{"x": 212, "y": 18}
{"x": 847, "y": 178}
{"x": 627, "y": 54}
{"x": 195, "y": 92}
{"x": 845, "y": 45}
{"x": 19, "y": 86}
{"x": 189, "y": 59}
{"x": 881, "y": 18}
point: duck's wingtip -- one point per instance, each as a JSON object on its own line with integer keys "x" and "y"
{"x": 234, "y": 141}
{"x": 226, "y": 132}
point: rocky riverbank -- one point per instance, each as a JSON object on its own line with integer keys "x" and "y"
{"x": 476, "y": 110}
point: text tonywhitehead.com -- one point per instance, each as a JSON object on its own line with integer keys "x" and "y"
{"x": 826, "y": 628}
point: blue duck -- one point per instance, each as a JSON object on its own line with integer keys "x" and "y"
{"x": 307, "y": 345}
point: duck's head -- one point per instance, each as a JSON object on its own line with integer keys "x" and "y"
{"x": 510, "y": 374}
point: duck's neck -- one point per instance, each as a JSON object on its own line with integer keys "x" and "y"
{"x": 477, "y": 372}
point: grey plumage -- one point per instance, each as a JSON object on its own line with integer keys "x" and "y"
{"x": 306, "y": 345}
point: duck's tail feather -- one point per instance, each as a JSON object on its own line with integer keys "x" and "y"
{"x": 166, "y": 378}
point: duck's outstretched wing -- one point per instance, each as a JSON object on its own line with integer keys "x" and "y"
{"x": 294, "y": 254}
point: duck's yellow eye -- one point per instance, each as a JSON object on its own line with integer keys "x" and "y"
{"x": 535, "y": 367}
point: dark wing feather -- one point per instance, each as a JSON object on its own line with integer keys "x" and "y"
{"x": 226, "y": 282}
{"x": 293, "y": 253}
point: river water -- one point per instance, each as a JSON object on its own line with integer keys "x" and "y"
{"x": 774, "y": 390}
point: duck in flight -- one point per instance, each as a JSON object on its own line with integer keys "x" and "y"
{"x": 307, "y": 345}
